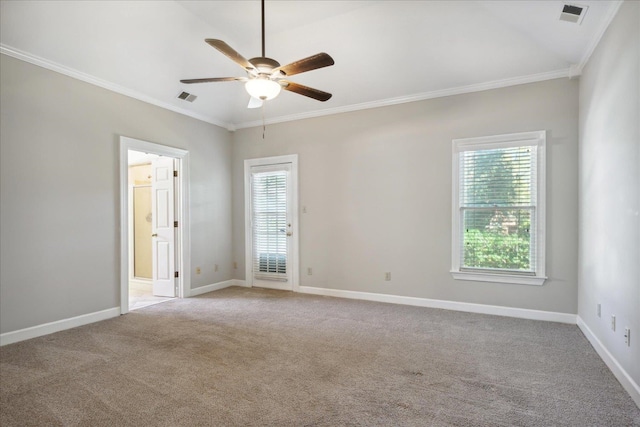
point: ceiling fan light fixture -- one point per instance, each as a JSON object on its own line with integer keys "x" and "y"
{"x": 263, "y": 88}
{"x": 265, "y": 75}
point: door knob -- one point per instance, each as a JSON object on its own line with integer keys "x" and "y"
{"x": 154, "y": 235}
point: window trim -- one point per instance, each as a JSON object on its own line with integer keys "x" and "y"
{"x": 537, "y": 138}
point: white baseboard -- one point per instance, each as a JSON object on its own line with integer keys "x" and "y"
{"x": 240, "y": 282}
{"x": 213, "y": 287}
{"x": 618, "y": 371}
{"x": 57, "y": 326}
{"x": 522, "y": 313}
{"x": 85, "y": 319}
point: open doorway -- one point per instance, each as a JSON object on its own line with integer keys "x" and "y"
{"x": 154, "y": 219}
{"x": 144, "y": 256}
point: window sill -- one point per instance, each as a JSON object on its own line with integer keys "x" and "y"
{"x": 498, "y": 278}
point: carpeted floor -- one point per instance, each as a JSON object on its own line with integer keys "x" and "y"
{"x": 250, "y": 357}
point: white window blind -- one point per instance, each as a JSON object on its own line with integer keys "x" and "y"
{"x": 498, "y": 215}
{"x": 497, "y": 203}
{"x": 269, "y": 205}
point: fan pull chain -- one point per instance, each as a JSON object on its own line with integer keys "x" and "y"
{"x": 264, "y": 126}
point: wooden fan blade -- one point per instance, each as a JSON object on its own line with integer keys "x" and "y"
{"x": 305, "y": 90}
{"x": 215, "y": 79}
{"x": 314, "y": 62}
{"x": 231, "y": 53}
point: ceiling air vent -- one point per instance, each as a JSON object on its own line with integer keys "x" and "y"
{"x": 573, "y": 13}
{"x": 186, "y": 96}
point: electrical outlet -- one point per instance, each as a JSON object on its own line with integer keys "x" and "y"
{"x": 309, "y": 271}
{"x": 613, "y": 322}
{"x": 215, "y": 268}
{"x": 599, "y": 311}
{"x": 235, "y": 265}
{"x": 627, "y": 337}
{"x": 387, "y": 276}
{"x": 198, "y": 271}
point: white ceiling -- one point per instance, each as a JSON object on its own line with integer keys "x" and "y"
{"x": 385, "y": 52}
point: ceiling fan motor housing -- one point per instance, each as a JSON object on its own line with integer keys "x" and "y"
{"x": 264, "y": 65}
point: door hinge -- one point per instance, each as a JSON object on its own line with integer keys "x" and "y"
{"x": 175, "y": 173}
{"x": 175, "y": 223}
{"x": 176, "y": 275}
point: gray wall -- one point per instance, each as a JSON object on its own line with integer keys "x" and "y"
{"x": 609, "y": 271}
{"x": 59, "y": 192}
{"x": 377, "y": 188}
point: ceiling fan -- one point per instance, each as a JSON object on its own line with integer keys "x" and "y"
{"x": 265, "y": 76}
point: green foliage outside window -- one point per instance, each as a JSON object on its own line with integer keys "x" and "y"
{"x": 487, "y": 249}
{"x": 496, "y": 223}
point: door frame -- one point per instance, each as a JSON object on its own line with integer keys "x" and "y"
{"x": 248, "y": 231}
{"x": 182, "y": 243}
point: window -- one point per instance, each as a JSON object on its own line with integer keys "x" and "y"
{"x": 499, "y": 208}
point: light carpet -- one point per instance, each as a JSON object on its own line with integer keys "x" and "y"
{"x": 251, "y": 357}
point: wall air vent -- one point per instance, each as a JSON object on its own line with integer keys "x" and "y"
{"x": 186, "y": 96}
{"x": 573, "y": 13}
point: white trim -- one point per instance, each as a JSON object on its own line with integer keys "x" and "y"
{"x": 500, "y": 141}
{"x": 498, "y": 278}
{"x": 248, "y": 235}
{"x": 537, "y": 138}
{"x": 521, "y": 313}
{"x": 618, "y": 371}
{"x": 180, "y": 203}
{"x": 614, "y": 6}
{"x": 213, "y": 287}
{"x": 59, "y": 68}
{"x": 57, "y": 326}
{"x": 478, "y": 87}
{"x": 183, "y": 243}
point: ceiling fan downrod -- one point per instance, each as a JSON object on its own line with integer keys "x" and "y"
{"x": 263, "y": 55}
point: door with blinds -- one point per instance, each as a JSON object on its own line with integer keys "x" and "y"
{"x": 271, "y": 226}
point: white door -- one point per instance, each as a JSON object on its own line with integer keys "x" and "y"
{"x": 271, "y": 224}
{"x": 162, "y": 195}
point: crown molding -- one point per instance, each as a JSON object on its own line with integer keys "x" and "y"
{"x": 79, "y": 75}
{"x": 614, "y": 6}
{"x": 496, "y": 84}
{"x": 479, "y": 87}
